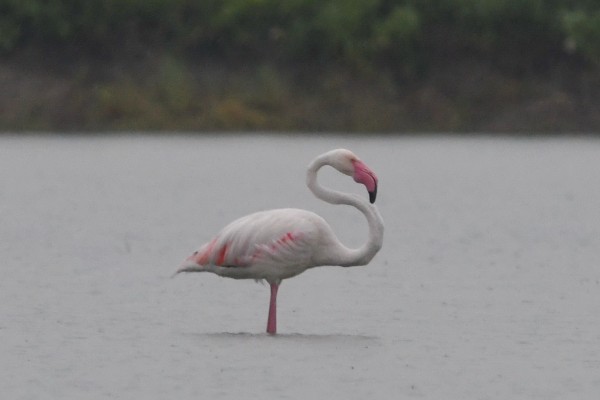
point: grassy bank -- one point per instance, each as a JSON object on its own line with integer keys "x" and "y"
{"x": 159, "y": 91}
{"x": 359, "y": 65}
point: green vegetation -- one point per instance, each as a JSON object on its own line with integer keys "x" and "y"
{"x": 402, "y": 32}
{"x": 387, "y": 45}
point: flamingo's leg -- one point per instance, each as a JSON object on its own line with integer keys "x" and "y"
{"x": 272, "y": 322}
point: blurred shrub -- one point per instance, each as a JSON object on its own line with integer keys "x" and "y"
{"x": 397, "y": 38}
{"x": 357, "y": 32}
{"x": 583, "y": 33}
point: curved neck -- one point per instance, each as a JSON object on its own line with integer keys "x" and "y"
{"x": 344, "y": 256}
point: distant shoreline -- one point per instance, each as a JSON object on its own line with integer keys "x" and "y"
{"x": 160, "y": 91}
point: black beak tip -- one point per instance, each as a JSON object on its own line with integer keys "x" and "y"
{"x": 373, "y": 195}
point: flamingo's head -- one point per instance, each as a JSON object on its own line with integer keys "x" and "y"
{"x": 348, "y": 163}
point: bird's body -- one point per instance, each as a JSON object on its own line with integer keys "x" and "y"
{"x": 270, "y": 245}
{"x": 278, "y": 244}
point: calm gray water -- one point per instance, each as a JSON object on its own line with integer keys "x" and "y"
{"x": 487, "y": 287}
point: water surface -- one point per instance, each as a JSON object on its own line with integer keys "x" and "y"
{"x": 487, "y": 285}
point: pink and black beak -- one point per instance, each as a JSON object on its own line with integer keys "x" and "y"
{"x": 364, "y": 175}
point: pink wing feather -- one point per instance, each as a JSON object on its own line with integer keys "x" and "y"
{"x": 280, "y": 242}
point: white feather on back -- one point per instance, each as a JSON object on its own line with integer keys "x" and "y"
{"x": 274, "y": 244}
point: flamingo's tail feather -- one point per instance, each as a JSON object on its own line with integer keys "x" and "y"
{"x": 189, "y": 268}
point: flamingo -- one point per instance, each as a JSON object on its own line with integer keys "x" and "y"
{"x": 278, "y": 244}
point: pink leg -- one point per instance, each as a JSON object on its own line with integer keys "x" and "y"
{"x": 272, "y": 322}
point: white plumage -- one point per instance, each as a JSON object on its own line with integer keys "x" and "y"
{"x": 271, "y": 245}
{"x": 278, "y": 244}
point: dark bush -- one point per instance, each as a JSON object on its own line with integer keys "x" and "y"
{"x": 520, "y": 33}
